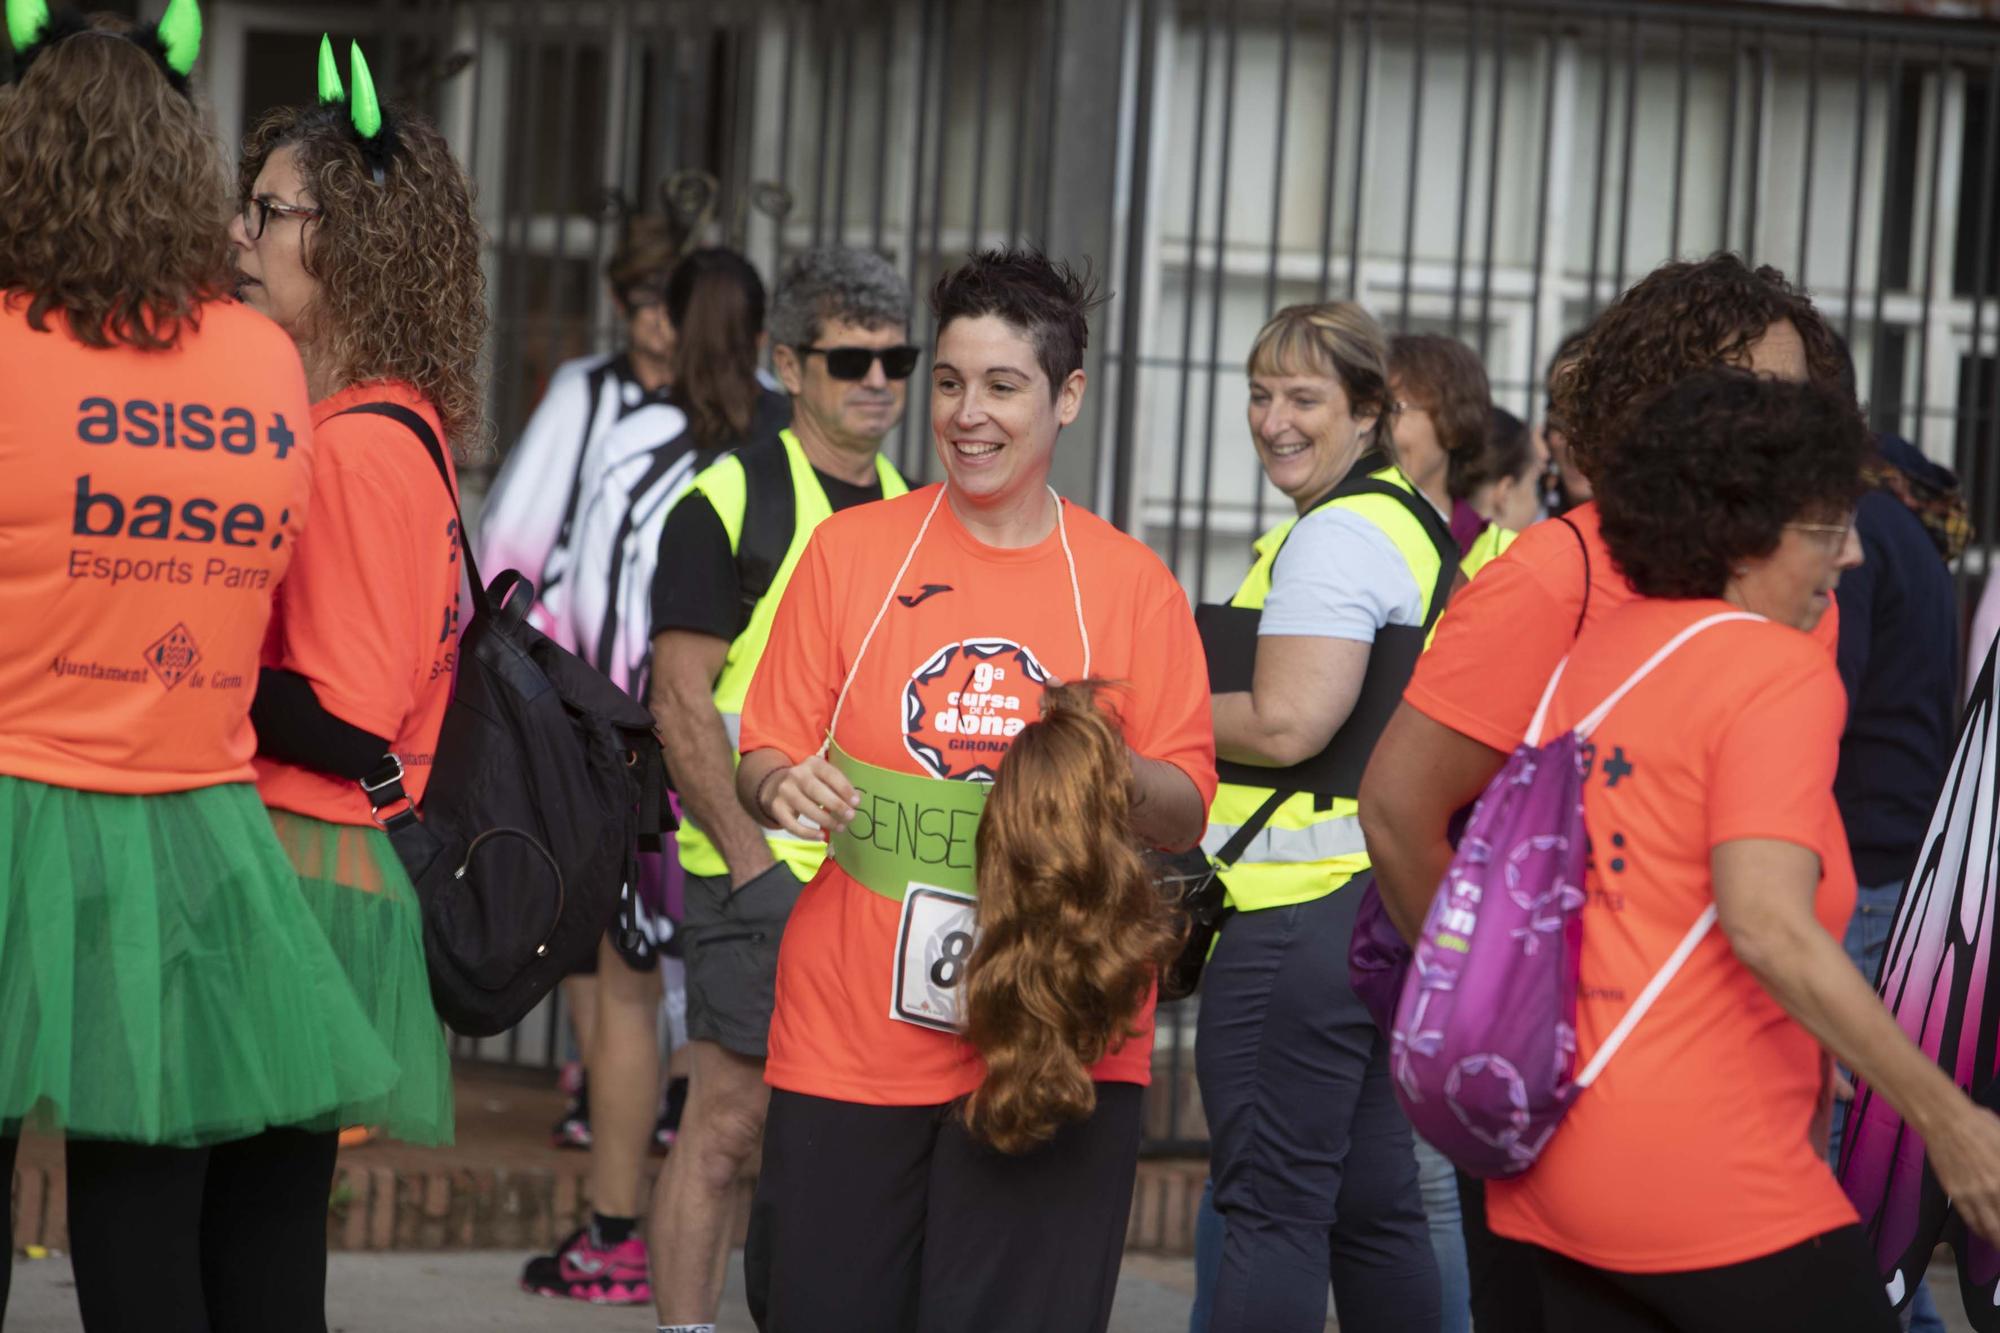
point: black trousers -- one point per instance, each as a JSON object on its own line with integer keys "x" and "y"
{"x": 1827, "y": 1284}
{"x": 224, "y": 1239}
{"x": 892, "y": 1219}
{"x": 1506, "y": 1286}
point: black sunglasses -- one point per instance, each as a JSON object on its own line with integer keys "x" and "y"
{"x": 852, "y": 363}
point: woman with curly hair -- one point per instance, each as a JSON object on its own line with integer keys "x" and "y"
{"x": 913, "y": 649}
{"x": 1476, "y": 687}
{"x": 166, "y": 1001}
{"x": 365, "y": 249}
{"x": 1685, "y": 1192}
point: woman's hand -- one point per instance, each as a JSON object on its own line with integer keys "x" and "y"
{"x": 1965, "y": 1153}
{"x": 808, "y": 800}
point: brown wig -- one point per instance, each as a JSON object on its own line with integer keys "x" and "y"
{"x": 1071, "y": 929}
{"x": 113, "y": 193}
{"x": 715, "y": 301}
{"x": 1444, "y": 377}
{"x": 402, "y": 294}
{"x": 1680, "y": 318}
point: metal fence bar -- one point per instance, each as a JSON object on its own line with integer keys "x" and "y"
{"x": 1215, "y": 296}
{"x": 1361, "y": 147}
{"x": 1288, "y": 30}
{"x": 1860, "y": 175}
{"x": 887, "y": 56}
{"x": 1753, "y": 187}
{"x": 1544, "y": 170}
{"x": 1125, "y": 500}
{"x": 1603, "y": 133}
{"x": 1625, "y": 154}
{"x": 1410, "y": 171}
{"x": 1337, "y": 60}
{"x": 1981, "y": 276}
{"x": 1052, "y": 91}
{"x": 1893, "y": 112}
{"x": 823, "y": 158}
{"x": 847, "y": 40}
{"x": 1018, "y": 162}
{"x": 1683, "y": 61}
{"x": 1464, "y": 166}
{"x": 977, "y": 215}
{"x": 1497, "y": 115}
{"x": 1812, "y": 144}
{"x": 1188, "y": 288}
{"x": 1930, "y": 244}
{"x": 784, "y": 171}
{"x": 1729, "y": 142}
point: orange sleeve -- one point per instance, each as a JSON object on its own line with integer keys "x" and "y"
{"x": 791, "y": 697}
{"x": 1772, "y": 764}
{"x": 1496, "y": 647}
{"x": 354, "y": 624}
{"x": 1166, "y": 712}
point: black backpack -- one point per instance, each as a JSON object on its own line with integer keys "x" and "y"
{"x": 545, "y": 778}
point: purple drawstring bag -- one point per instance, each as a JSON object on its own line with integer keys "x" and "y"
{"x": 1482, "y": 1017}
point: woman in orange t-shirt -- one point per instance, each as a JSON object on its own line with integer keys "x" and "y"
{"x": 367, "y": 251}
{"x": 914, "y": 643}
{"x": 166, "y": 1002}
{"x": 1687, "y": 1189}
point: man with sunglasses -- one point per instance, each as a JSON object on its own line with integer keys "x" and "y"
{"x": 840, "y": 346}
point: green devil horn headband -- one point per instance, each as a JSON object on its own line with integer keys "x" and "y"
{"x": 180, "y": 35}
{"x": 330, "y": 89}
{"x": 365, "y": 109}
{"x": 25, "y": 21}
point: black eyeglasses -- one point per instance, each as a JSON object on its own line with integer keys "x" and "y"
{"x": 257, "y": 214}
{"x": 852, "y": 363}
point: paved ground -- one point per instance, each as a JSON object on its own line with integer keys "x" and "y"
{"x": 461, "y": 1293}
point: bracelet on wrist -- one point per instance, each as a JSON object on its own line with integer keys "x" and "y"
{"x": 763, "y": 784}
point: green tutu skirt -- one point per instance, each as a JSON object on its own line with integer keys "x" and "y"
{"x": 357, "y": 888}
{"x": 160, "y": 980}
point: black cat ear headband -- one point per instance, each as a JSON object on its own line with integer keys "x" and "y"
{"x": 174, "y": 41}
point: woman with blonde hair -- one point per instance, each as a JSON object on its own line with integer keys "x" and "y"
{"x": 357, "y": 235}
{"x": 167, "y": 1003}
{"x": 1311, "y": 1159}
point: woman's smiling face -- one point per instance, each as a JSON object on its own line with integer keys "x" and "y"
{"x": 1306, "y": 432}
{"x": 994, "y": 420}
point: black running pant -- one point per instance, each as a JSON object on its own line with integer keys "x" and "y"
{"x": 1827, "y": 1284}
{"x": 892, "y": 1219}
{"x": 224, "y": 1239}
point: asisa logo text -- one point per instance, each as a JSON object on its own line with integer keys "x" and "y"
{"x": 963, "y": 707}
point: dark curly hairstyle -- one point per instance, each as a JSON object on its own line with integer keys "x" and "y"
{"x": 114, "y": 197}
{"x": 1682, "y": 317}
{"x": 1046, "y": 299}
{"x": 1071, "y": 930}
{"x": 1712, "y": 470}
{"x": 402, "y": 293}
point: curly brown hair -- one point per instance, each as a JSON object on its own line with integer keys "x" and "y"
{"x": 402, "y": 293}
{"x": 114, "y": 197}
{"x": 1680, "y": 318}
{"x": 1713, "y": 469}
{"x": 1071, "y": 929}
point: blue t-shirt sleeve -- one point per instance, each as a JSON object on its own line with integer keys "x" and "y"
{"x": 1340, "y": 576}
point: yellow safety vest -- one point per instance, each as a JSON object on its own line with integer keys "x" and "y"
{"x": 1486, "y": 548}
{"x": 723, "y": 483}
{"x": 1312, "y": 844}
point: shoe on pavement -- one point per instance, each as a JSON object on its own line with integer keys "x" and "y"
{"x": 573, "y": 1129}
{"x": 579, "y": 1271}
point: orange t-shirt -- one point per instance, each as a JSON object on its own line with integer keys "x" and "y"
{"x": 151, "y": 502}
{"x": 1010, "y": 616}
{"x": 1505, "y": 632}
{"x": 370, "y": 612}
{"x": 1692, "y": 1148}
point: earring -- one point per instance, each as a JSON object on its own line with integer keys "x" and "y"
{"x": 1742, "y": 570}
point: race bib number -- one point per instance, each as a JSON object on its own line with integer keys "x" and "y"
{"x": 933, "y": 944}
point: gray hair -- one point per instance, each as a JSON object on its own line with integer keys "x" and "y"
{"x": 835, "y": 283}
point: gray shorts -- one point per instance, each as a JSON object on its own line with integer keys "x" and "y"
{"x": 730, "y": 944}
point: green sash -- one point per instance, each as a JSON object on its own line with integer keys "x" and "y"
{"x": 908, "y": 829}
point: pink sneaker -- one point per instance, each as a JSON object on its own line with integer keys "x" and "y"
{"x": 580, "y": 1271}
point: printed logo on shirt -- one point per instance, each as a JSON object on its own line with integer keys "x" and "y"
{"x": 963, "y": 707}
{"x": 173, "y": 655}
{"x": 923, "y": 594}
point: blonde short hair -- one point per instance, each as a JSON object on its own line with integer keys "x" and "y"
{"x": 1337, "y": 339}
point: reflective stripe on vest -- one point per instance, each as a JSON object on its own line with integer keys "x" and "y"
{"x": 1305, "y": 853}
{"x": 723, "y": 483}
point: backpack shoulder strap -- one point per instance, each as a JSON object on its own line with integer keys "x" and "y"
{"x": 1583, "y": 611}
{"x": 417, "y": 426}
{"x": 770, "y": 512}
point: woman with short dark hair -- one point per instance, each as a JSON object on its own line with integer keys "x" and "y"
{"x": 917, "y": 639}
{"x": 1683, "y": 1190}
